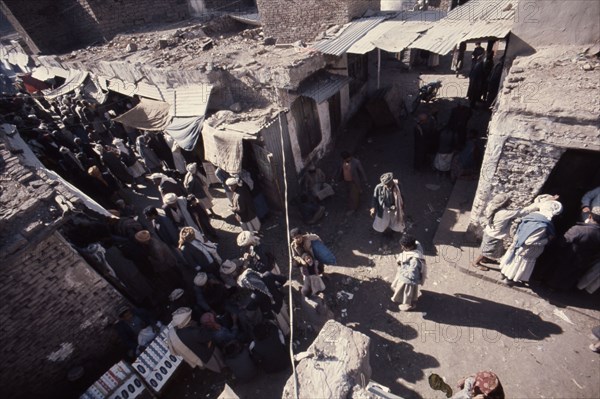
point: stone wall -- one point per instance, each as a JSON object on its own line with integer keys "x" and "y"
{"x": 304, "y": 20}
{"x": 122, "y": 15}
{"x": 54, "y": 310}
{"x": 55, "y": 26}
{"x": 535, "y": 122}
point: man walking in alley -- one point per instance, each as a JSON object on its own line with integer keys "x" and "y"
{"x": 243, "y": 205}
{"x": 353, "y": 174}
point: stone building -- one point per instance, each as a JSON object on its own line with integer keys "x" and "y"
{"x": 55, "y": 309}
{"x": 289, "y": 21}
{"x": 544, "y": 135}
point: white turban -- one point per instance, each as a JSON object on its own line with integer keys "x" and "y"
{"x": 200, "y": 279}
{"x": 170, "y": 199}
{"x": 192, "y": 167}
{"x": 182, "y": 317}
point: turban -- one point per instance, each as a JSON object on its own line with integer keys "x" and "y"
{"x": 176, "y": 294}
{"x": 142, "y": 236}
{"x": 246, "y": 238}
{"x": 182, "y": 317}
{"x": 228, "y": 267}
{"x": 232, "y": 181}
{"x": 200, "y": 279}
{"x": 170, "y": 199}
{"x": 192, "y": 167}
{"x": 386, "y": 178}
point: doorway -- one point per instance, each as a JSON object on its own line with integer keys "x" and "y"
{"x": 575, "y": 173}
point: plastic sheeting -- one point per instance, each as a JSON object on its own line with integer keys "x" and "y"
{"x": 147, "y": 115}
{"x": 186, "y": 131}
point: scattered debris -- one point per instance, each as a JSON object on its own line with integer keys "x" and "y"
{"x": 562, "y": 315}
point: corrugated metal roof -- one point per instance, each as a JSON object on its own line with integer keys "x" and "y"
{"x": 190, "y": 100}
{"x": 442, "y": 37}
{"x": 150, "y": 91}
{"x": 473, "y": 20}
{"x": 350, "y": 35}
{"x": 121, "y": 87}
{"x": 250, "y": 19}
{"x": 323, "y": 86}
{"x": 395, "y": 43}
{"x": 485, "y": 29}
{"x": 365, "y": 44}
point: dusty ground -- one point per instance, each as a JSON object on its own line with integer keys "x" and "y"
{"x": 464, "y": 322}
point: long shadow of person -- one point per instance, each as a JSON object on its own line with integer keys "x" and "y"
{"x": 469, "y": 311}
{"x": 368, "y": 311}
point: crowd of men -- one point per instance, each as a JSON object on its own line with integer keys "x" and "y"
{"x": 223, "y": 312}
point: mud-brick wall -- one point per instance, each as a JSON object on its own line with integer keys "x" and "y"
{"x": 289, "y": 21}
{"x": 55, "y": 311}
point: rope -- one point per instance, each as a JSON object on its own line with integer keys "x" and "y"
{"x": 287, "y": 228}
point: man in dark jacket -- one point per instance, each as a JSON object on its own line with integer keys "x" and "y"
{"x": 164, "y": 227}
{"x": 353, "y": 174}
{"x": 269, "y": 349}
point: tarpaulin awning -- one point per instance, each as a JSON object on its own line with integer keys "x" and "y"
{"x": 73, "y": 81}
{"x": 147, "y": 115}
{"x": 322, "y": 86}
{"x": 91, "y": 91}
{"x": 186, "y": 131}
{"x": 224, "y": 148}
{"x": 33, "y": 85}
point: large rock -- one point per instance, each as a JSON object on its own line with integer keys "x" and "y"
{"x": 337, "y": 362}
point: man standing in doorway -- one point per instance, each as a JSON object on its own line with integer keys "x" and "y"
{"x": 242, "y": 205}
{"x": 353, "y": 174}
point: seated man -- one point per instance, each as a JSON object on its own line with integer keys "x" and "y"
{"x": 135, "y": 325}
{"x": 314, "y": 183}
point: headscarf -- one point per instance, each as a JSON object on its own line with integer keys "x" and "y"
{"x": 182, "y": 317}
{"x": 176, "y": 294}
{"x": 121, "y": 146}
{"x": 252, "y": 280}
{"x": 497, "y": 203}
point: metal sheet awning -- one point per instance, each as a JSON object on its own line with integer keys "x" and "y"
{"x": 150, "y": 91}
{"x": 354, "y": 31}
{"x": 484, "y": 29}
{"x": 121, "y": 87}
{"x": 190, "y": 100}
{"x": 400, "y": 35}
{"x": 322, "y": 86}
{"x": 365, "y": 44}
{"x": 73, "y": 81}
{"x": 250, "y": 19}
{"x": 476, "y": 19}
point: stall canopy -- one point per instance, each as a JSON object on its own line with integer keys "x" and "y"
{"x": 147, "y": 115}
{"x": 223, "y": 146}
{"x": 477, "y": 19}
{"x": 186, "y": 131}
{"x": 322, "y": 85}
{"x": 351, "y": 33}
{"x": 73, "y": 81}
